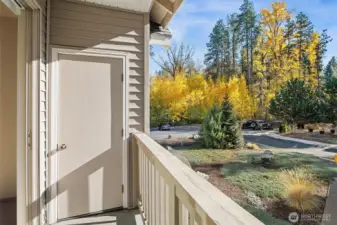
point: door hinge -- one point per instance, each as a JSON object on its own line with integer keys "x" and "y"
{"x": 122, "y": 77}
{"x": 122, "y": 188}
{"x": 122, "y": 132}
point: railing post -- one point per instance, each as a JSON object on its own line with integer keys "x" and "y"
{"x": 135, "y": 172}
{"x": 173, "y": 207}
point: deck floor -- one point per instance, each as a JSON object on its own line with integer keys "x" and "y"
{"x": 123, "y": 217}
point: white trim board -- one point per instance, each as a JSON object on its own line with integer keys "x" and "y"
{"x": 52, "y": 129}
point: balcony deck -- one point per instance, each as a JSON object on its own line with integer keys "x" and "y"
{"x": 123, "y": 217}
{"x": 171, "y": 193}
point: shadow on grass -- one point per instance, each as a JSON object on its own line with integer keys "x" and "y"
{"x": 189, "y": 146}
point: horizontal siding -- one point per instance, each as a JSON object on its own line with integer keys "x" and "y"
{"x": 96, "y": 10}
{"x": 90, "y": 27}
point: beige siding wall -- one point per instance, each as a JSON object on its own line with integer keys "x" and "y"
{"x": 8, "y": 56}
{"x": 90, "y": 27}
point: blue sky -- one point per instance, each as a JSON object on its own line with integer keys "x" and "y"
{"x": 195, "y": 19}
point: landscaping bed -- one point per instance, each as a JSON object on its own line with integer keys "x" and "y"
{"x": 327, "y": 137}
{"x": 256, "y": 188}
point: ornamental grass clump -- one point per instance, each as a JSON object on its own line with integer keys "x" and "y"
{"x": 299, "y": 189}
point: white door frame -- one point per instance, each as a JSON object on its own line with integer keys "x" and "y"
{"x": 29, "y": 199}
{"x": 53, "y": 102}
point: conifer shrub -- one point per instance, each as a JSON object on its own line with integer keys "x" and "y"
{"x": 220, "y": 128}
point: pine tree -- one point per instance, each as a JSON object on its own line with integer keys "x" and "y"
{"x": 330, "y": 70}
{"x": 321, "y": 49}
{"x": 227, "y": 59}
{"x": 215, "y": 49}
{"x": 295, "y": 103}
{"x": 234, "y": 27}
{"x": 331, "y": 91}
{"x": 249, "y": 29}
{"x": 220, "y": 128}
{"x": 304, "y": 31}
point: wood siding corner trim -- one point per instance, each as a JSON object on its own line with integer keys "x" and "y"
{"x": 146, "y": 74}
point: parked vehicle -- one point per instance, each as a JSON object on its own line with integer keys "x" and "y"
{"x": 262, "y": 125}
{"x": 257, "y": 125}
{"x": 165, "y": 126}
{"x": 247, "y": 124}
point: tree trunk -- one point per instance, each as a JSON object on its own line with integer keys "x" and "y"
{"x": 251, "y": 65}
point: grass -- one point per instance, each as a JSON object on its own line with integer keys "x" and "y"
{"x": 261, "y": 181}
{"x": 239, "y": 168}
{"x": 266, "y": 182}
{"x": 197, "y": 155}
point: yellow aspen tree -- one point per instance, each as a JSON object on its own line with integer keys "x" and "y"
{"x": 312, "y": 57}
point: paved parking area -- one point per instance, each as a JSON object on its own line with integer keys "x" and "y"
{"x": 265, "y": 138}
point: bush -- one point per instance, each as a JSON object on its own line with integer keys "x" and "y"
{"x": 299, "y": 189}
{"x": 284, "y": 128}
{"x": 253, "y": 146}
{"x": 331, "y": 92}
{"x": 220, "y": 128}
{"x": 296, "y": 103}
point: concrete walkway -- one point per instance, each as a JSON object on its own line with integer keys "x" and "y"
{"x": 278, "y": 142}
{"x": 330, "y": 211}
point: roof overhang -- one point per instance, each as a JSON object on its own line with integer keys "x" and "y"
{"x": 161, "y": 11}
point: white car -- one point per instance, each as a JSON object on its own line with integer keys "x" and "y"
{"x": 164, "y": 127}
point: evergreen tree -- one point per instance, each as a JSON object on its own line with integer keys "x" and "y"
{"x": 331, "y": 91}
{"x": 215, "y": 49}
{"x": 295, "y": 103}
{"x": 220, "y": 128}
{"x": 235, "y": 36}
{"x": 227, "y": 59}
{"x": 249, "y": 28}
{"x": 304, "y": 31}
{"x": 330, "y": 70}
{"x": 320, "y": 50}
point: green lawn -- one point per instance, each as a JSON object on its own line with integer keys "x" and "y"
{"x": 197, "y": 155}
{"x": 265, "y": 182}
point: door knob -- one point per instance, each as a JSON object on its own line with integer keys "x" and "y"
{"x": 63, "y": 146}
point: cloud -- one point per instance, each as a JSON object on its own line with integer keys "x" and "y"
{"x": 200, "y": 14}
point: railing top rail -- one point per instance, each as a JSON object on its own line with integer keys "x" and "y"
{"x": 202, "y": 195}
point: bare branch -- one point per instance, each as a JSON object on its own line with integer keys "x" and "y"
{"x": 175, "y": 59}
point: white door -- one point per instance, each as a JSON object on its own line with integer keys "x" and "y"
{"x": 89, "y": 134}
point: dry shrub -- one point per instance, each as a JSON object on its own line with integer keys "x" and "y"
{"x": 253, "y": 146}
{"x": 299, "y": 189}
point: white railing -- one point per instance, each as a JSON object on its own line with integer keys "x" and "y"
{"x": 171, "y": 193}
